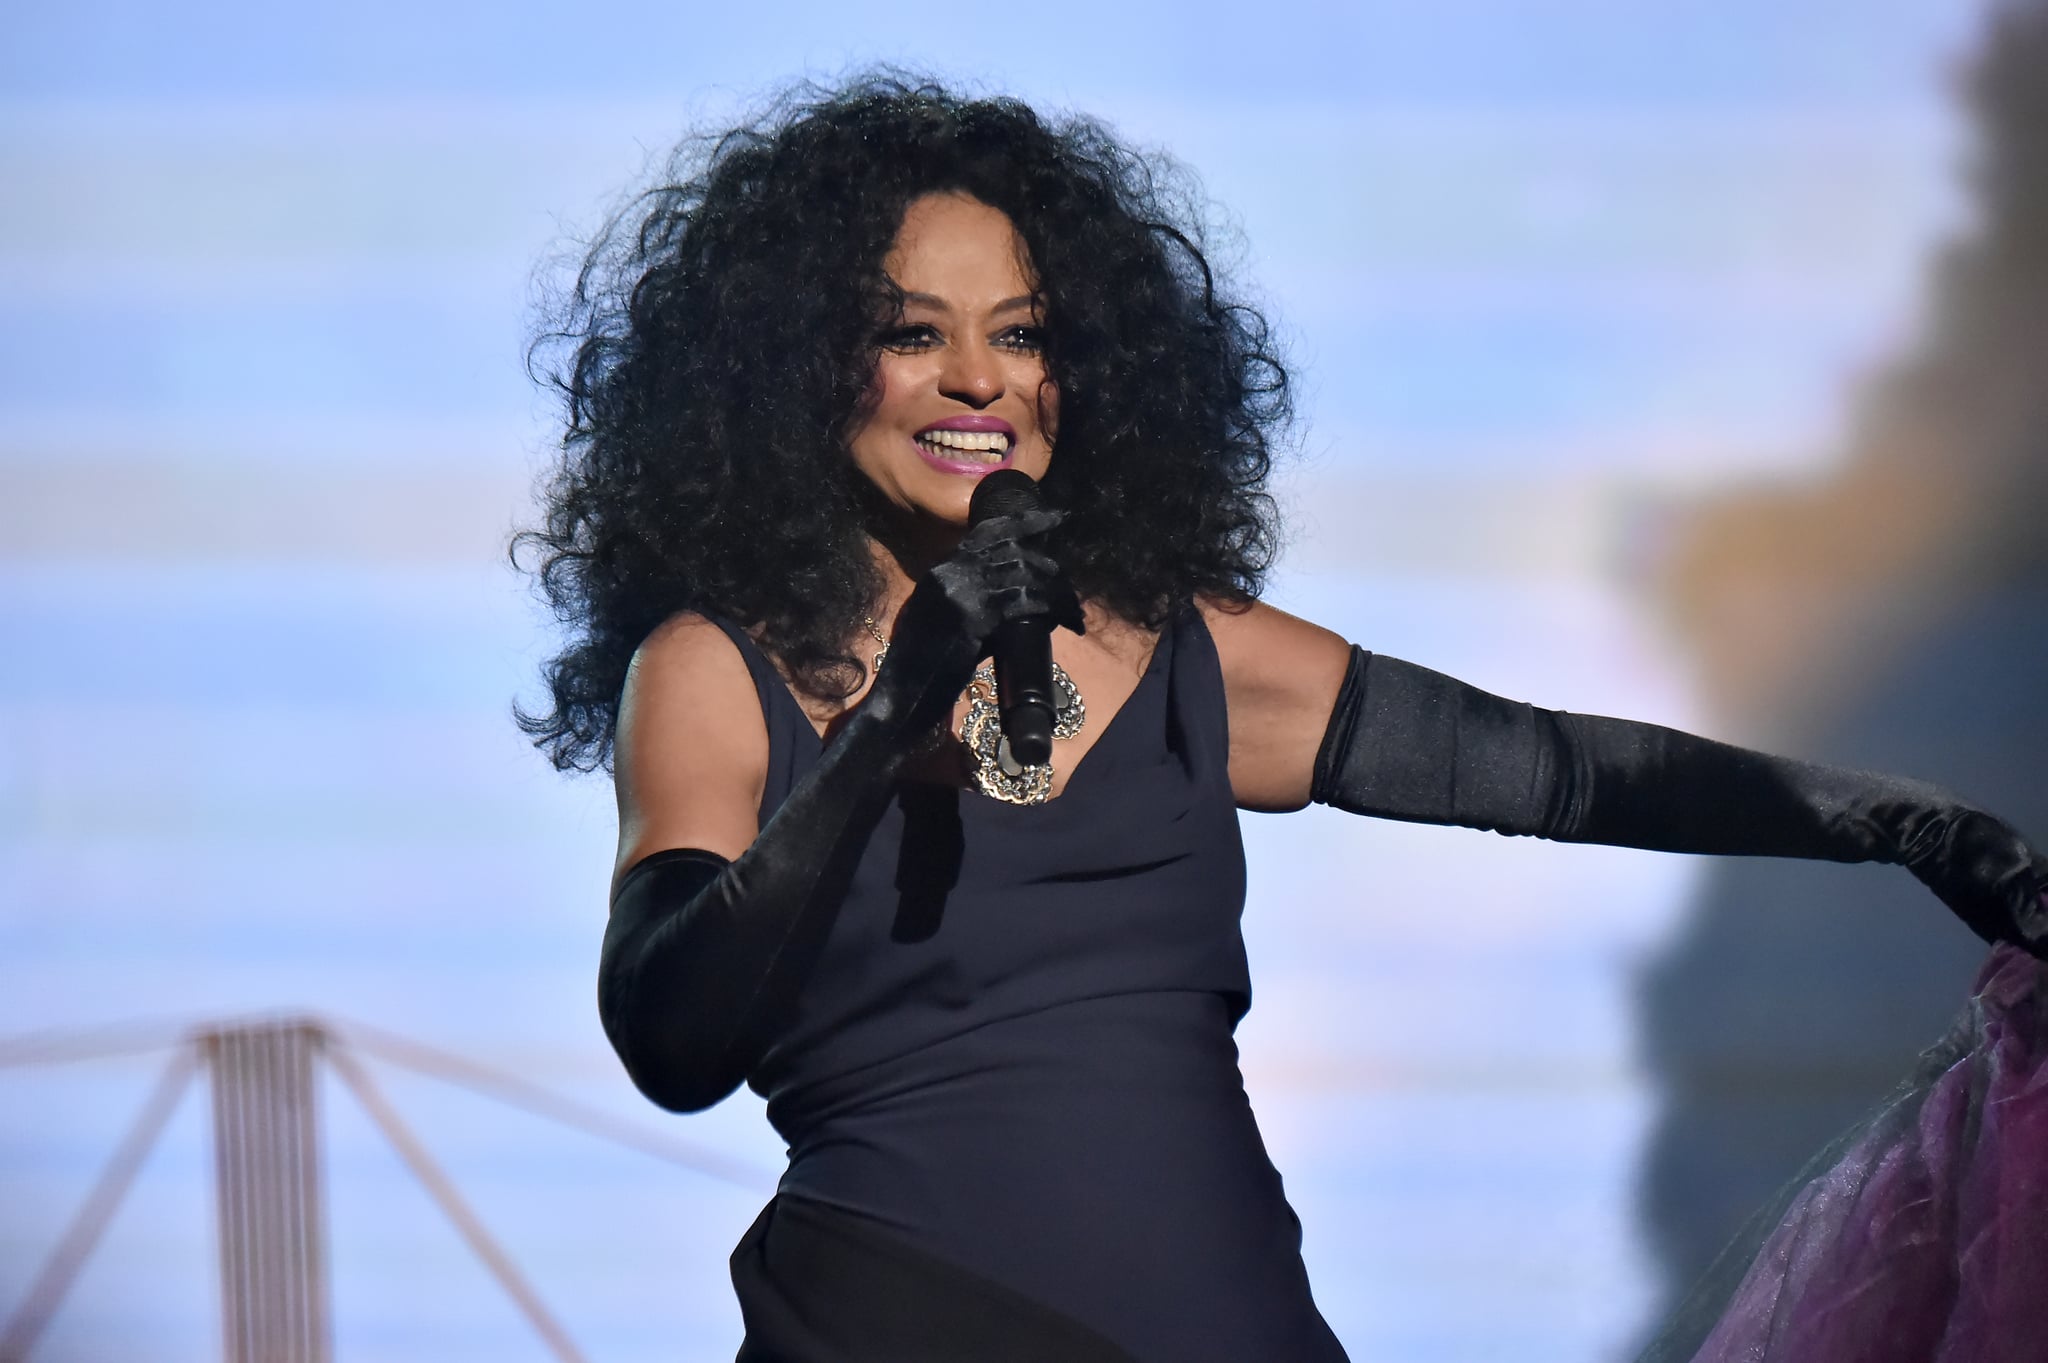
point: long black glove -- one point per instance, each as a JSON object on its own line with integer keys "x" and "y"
{"x": 1408, "y": 743}
{"x": 702, "y": 958}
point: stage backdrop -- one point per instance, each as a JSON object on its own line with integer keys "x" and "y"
{"x": 1549, "y": 275}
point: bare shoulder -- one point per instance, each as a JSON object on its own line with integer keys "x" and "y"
{"x": 1281, "y": 675}
{"x": 692, "y": 752}
{"x": 687, "y": 651}
{"x": 1264, "y": 645}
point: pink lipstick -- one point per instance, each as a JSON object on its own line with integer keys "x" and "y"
{"x": 967, "y": 444}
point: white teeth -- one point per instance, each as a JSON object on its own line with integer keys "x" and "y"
{"x": 993, "y": 443}
{"x": 968, "y": 440}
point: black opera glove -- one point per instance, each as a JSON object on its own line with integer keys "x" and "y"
{"x": 703, "y": 959}
{"x": 1408, "y": 743}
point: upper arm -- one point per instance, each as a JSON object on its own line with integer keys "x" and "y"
{"x": 691, "y": 758}
{"x": 1280, "y": 679}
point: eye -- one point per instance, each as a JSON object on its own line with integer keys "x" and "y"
{"x": 1026, "y": 340}
{"x": 907, "y": 338}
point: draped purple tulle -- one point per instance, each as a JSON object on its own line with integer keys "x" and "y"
{"x": 1922, "y": 1236}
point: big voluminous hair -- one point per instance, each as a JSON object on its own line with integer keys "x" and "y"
{"x": 714, "y": 354}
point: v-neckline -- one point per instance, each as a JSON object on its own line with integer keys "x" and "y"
{"x": 1160, "y": 644}
{"x": 1109, "y": 730}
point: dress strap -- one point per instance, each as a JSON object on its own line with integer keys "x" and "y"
{"x": 793, "y": 744}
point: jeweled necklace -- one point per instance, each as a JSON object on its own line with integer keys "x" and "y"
{"x": 997, "y": 774}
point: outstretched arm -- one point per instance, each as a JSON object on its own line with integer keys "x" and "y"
{"x": 1409, "y": 743}
{"x": 1312, "y": 718}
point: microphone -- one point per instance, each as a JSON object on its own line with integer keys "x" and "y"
{"x": 1023, "y": 648}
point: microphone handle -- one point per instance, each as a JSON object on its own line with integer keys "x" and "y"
{"x": 1024, "y": 692}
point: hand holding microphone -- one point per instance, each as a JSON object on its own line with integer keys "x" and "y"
{"x": 1022, "y": 641}
{"x": 995, "y": 593}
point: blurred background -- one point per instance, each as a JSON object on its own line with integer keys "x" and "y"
{"x": 1677, "y": 361}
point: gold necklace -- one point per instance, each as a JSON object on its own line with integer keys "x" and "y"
{"x": 997, "y": 774}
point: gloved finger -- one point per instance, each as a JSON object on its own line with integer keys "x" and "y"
{"x": 1035, "y": 524}
{"x": 1051, "y": 599}
{"x": 1041, "y": 564}
{"x": 2030, "y": 927}
{"x": 996, "y": 529}
{"x": 1022, "y": 568}
{"x": 2028, "y": 909}
{"x": 1010, "y": 573}
{"x": 968, "y": 584}
{"x": 1054, "y": 594}
{"x": 1016, "y": 602}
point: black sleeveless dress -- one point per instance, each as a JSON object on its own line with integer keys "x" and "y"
{"x": 1015, "y": 1120}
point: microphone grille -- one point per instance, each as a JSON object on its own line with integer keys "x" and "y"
{"x": 1006, "y": 492}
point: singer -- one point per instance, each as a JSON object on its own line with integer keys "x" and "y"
{"x": 988, "y": 981}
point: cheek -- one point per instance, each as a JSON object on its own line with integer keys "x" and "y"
{"x": 894, "y": 384}
{"x": 880, "y": 403}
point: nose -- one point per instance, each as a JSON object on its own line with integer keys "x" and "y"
{"x": 973, "y": 373}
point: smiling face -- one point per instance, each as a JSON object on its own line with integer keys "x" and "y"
{"x": 958, "y": 382}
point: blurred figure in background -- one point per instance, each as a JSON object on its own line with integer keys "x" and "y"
{"x": 1894, "y": 617}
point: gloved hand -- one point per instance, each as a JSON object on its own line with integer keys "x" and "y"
{"x": 943, "y": 629}
{"x": 1408, "y": 743}
{"x": 1977, "y": 864}
{"x": 704, "y": 959}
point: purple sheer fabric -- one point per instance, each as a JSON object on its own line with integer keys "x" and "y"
{"x": 1922, "y": 1235}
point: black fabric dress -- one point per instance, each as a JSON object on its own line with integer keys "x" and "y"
{"x": 1015, "y": 1120}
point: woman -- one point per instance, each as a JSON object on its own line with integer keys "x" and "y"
{"x": 991, "y": 1006}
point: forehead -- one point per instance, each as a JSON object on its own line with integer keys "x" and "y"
{"x": 959, "y": 249}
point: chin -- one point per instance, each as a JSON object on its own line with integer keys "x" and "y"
{"x": 949, "y": 504}
{"x": 947, "y": 492}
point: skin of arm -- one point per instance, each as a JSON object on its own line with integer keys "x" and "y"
{"x": 1281, "y": 675}
{"x": 692, "y": 754}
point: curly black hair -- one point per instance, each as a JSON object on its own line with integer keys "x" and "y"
{"x": 715, "y": 351}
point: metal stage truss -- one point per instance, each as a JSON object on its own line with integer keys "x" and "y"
{"x": 269, "y": 1189}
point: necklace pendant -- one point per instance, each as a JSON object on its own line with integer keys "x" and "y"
{"x": 997, "y": 772}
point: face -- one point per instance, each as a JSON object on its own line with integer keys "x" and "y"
{"x": 957, "y": 387}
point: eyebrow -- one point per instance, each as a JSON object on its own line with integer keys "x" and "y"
{"x": 932, "y": 300}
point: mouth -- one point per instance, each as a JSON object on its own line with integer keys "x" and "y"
{"x": 967, "y": 443}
